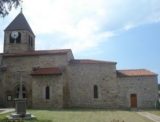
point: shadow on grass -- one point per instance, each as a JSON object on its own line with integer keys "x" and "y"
{"x": 81, "y": 110}
{"x": 33, "y": 120}
{"x": 36, "y": 120}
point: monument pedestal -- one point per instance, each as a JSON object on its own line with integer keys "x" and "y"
{"x": 20, "y": 106}
{"x": 15, "y": 116}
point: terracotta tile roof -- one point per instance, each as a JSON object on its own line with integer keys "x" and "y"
{"x": 88, "y": 61}
{"x": 38, "y": 52}
{"x": 46, "y": 71}
{"x": 134, "y": 72}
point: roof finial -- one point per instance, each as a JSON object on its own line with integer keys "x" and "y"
{"x": 21, "y": 2}
{"x": 21, "y": 10}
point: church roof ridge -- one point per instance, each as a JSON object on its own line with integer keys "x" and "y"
{"x": 64, "y": 50}
{"x": 134, "y": 72}
{"x": 89, "y": 61}
{"x": 38, "y": 52}
{"x": 19, "y": 23}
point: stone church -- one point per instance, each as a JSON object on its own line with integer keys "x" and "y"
{"x": 55, "y": 79}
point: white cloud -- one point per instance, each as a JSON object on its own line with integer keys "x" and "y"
{"x": 128, "y": 26}
{"x": 77, "y": 21}
{"x": 84, "y": 24}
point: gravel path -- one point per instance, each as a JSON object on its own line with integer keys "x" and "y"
{"x": 6, "y": 110}
{"x": 150, "y": 116}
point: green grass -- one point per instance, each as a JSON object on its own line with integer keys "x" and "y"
{"x": 84, "y": 115}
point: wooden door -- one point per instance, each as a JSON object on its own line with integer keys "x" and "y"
{"x": 133, "y": 101}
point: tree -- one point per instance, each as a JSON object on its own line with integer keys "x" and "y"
{"x": 7, "y": 5}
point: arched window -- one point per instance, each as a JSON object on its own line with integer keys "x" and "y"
{"x": 18, "y": 40}
{"x": 31, "y": 42}
{"x": 47, "y": 91}
{"x": 30, "y": 39}
{"x": 11, "y": 39}
{"x": 95, "y": 90}
{"x": 23, "y": 91}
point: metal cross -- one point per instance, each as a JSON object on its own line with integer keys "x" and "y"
{"x": 21, "y": 4}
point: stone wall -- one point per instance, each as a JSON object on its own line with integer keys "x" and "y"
{"x": 25, "y": 65}
{"x": 1, "y": 84}
{"x": 39, "y": 84}
{"x": 146, "y": 89}
{"x": 83, "y": 77}
{"x": 69, "y": 56}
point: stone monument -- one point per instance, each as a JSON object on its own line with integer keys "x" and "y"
{"x": 20, "y": 106}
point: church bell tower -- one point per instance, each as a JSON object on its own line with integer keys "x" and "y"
{"x": 19, "y": 36}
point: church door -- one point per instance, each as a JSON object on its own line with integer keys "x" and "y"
{"x": 133, "y": 99}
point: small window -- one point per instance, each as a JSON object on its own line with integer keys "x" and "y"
{"x": 11, "y": 39}
{"x": 47, "y": 93}
{"x": 30, "y": 40}
{"x": 18, "y": 40}
{"x": 95, "y": 87}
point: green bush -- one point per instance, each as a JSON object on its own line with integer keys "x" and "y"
{"x": 158, "y": 104}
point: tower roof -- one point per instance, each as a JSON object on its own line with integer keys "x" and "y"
{"x": 19, "y": 23}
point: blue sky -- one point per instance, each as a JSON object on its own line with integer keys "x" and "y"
{"x": 124, "y": 31}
